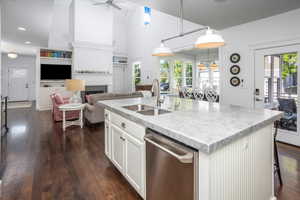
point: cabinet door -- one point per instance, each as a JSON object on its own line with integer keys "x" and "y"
{"x": 117, "y": 147}
{"x": 107, "y": 139}
{"x": 135, "y": 163}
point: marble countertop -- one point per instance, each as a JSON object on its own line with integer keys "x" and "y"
{"x": 199, "y": 124}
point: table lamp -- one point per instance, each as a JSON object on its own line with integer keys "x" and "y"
{"x": 76, "y": 86}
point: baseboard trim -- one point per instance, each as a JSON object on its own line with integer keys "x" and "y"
{"x": 273, "y": 198}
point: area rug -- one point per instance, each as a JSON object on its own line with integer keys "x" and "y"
{"x": 19, "y": 104}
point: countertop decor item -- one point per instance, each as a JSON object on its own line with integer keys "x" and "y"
{"x": 235, "y": 69}
{"x": 235, "y": 58}
{"x": 235, "y": 81}
{"x": 76, "y": 86}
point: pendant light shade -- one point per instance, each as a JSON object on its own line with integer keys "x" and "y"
{"x": 214, "y": 66}
{"x": 12, "y": 55}
{"x": 162, "y": 51}
{"x": 202, "y": 67}
{"x": 209, "y": 40}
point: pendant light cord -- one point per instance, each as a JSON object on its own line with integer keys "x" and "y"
{"x": 181, "y": 17}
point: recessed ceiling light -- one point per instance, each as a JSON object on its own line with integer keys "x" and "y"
{"x": 27, "y": 42}
{"x": 20, "y": 28}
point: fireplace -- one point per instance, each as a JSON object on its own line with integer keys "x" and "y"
{"x": 93, "y": 89}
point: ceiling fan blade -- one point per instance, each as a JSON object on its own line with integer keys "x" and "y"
{"x": 115, "y": 6}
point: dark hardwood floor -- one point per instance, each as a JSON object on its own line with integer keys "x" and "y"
{"x": 41, "y": 164}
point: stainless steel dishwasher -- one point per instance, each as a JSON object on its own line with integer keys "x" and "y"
{"x": 171, "y": 169}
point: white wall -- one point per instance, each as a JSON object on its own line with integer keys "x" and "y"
{"x": 22, "y": 61}
{"x": 142, "y": 40}
{"x": 93, "y": 24}
{"x": 239, "y": 39}
{"x": 120, "y": 32}
{"x": 59, "y": 36}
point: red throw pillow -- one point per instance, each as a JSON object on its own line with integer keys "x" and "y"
{"x": 88, "y": 98}
{"x": 59, "y": 99}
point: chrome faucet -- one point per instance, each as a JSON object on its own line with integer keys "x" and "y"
{"x": 156, "y": 91}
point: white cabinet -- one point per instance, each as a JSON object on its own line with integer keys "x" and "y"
{"x": 125, "y": 147}
{"x": 134, "y": 165}
{"x": 117, "y": 147}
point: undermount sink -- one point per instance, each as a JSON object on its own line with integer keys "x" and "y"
{"x": 138, "y": 107}
{"x": 145, "y": 109}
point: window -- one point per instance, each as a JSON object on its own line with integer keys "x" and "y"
{"x": 137, "y": 73}
{"x": 208, "y": 77}
{"x": 188, "y": 78}
{"x": 164, "y": 76}
{"x": 177, "y": 74}
{"x": 203, "y": 78}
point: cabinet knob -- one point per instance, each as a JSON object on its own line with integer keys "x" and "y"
{"x": 123, "y": 125}
{"x": 106, "y": 115}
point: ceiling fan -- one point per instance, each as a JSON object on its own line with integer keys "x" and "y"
{"x": 108, "y": 3}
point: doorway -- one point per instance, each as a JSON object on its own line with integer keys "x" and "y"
{"x": 18, "y": 87}
{"x": 276, "y": 87}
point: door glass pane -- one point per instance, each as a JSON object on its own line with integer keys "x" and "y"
{"x": 280, "y": 87}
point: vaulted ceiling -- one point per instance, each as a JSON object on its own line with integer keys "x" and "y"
{"x": 220, "y": 14}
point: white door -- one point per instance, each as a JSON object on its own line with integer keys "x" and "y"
{"x": 18, "y": 84}
{"x": 117, "y": 147}
{"x": 118, "y": 79}
{"x": 134, "y": 163}
{"x": 291, "y": 137}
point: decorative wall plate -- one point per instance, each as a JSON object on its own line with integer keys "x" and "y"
{"x": 235, "y": 81}
{"x": 235, "y": 69}
{"x": 235, "y": 58}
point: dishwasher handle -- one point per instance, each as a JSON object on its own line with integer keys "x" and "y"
{"x": 187, "y": 158}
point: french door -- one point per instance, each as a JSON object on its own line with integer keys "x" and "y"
{"x": 276, "y": 86}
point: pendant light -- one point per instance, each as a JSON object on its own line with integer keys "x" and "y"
{"x": 214, "y": 66}
{"x": 209, "y": 40}
{"x": 202, "y": 67}
{"x": 12, "y": 55}
{"x": 162, "y": 51}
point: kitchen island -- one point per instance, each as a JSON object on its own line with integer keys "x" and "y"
{"x": 234, "y": 145}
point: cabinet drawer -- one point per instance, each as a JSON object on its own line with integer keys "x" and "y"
{"x": 106, "y": 114}
{"x": 131, "y": 128}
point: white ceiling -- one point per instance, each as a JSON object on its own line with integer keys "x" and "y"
{"x": 220, "y": 14}
{"x": 34, "y": 15}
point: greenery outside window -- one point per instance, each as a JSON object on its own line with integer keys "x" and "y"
{"x": 137, "y": 73}
{"x": 164, "y": 76}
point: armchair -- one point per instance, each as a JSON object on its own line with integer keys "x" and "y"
{"x": 58, "y": 100}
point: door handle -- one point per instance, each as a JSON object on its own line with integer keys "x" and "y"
{"x": 26, "y": 85}
{"x": 187, "y": 158}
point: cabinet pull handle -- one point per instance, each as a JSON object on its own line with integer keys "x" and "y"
{"x": 123, "y": 125}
